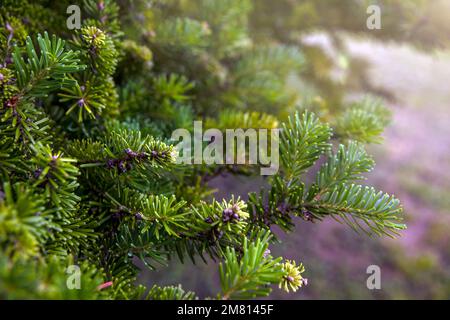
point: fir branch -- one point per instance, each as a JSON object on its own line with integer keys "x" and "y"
{"x": 345, "y": 166}
{"x": 248, "y": 276}
{"x": 182, "y": 32}
{"x": 363, "y": 121}
{"x": 24, "y": 220}
{"x": 362, "y": 208}
{"x": 40, "y": 74}
{"x": 169, "y": 293}
{"x": 302, "y": 141}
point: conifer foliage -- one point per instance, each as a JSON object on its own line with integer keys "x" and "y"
{"x": 88, "y": 176}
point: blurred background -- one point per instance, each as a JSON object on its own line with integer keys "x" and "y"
{"x": 407, "y": 63}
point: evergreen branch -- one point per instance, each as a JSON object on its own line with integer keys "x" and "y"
{"x": 23, "y": 220}
{"x": 57, "y": 176}
{"x": 276, "y": 206}
{"x": 164, "y": 213}
{"x": 40, "y": 74}
{"x": 234, "y": 119}
{"x": 182, "y": 32}
{"x": 37, "y": 279}
{"x": 169, "y": 293}
{"x": 278, "y": 60}
{"x": 345, "y": 166}
{"x": 27, "y": 125}
{"x": 122, "y": 150}
{"x": 361, "y": 208}
{"x": 75, "y": 234}
{"x": 302, "y": 141}
{"x": 98, "y": 50}
{"x": 132, "y": 241}
{"x": 172, "y": 87}
{"x": 363, "y": 121}
{"x": 227, "y": 22}
{"x": 249, "y": 276}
